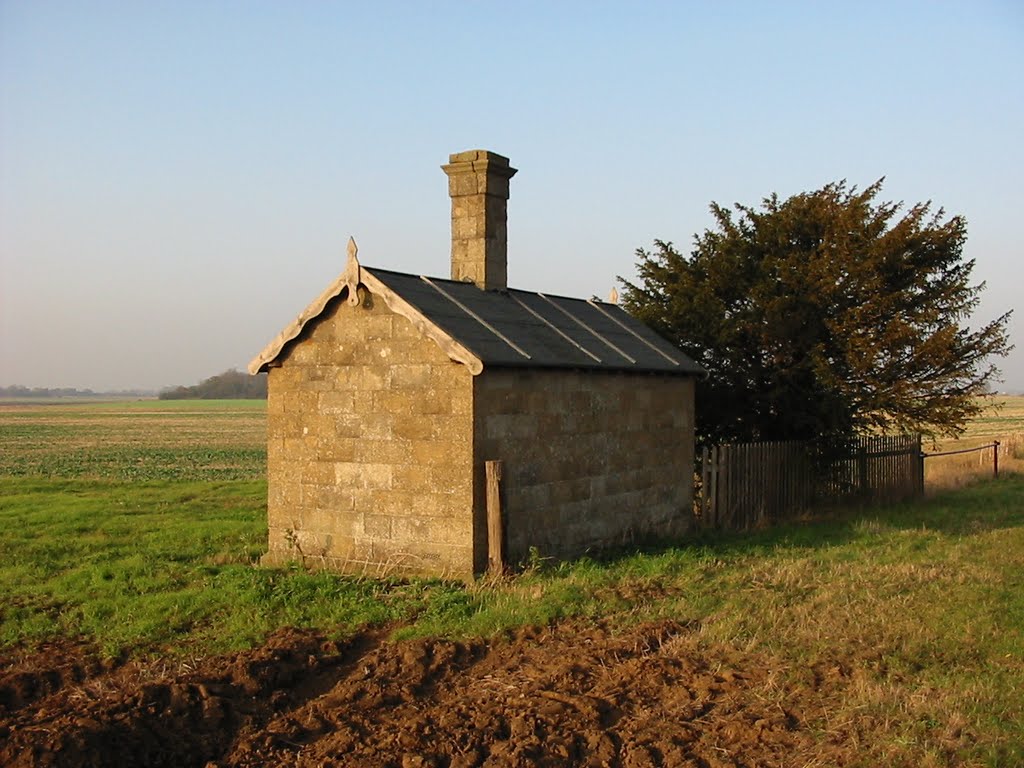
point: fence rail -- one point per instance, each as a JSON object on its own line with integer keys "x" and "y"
{"x": 745, "y": 485}
{"x": 994, "y": 445}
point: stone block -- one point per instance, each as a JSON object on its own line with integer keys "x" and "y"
{"x": 358, "y": 475}
{"x": 411, "y": 477}
{"x": 383, "y": 451}
{"x": 338, "y": 353}
{"x": 275, "y": 403}
{"x": 377, "y": 526}
{"x": 348, "y": 474}
{"x": 300, "y": 402}
{"x": 456, "y": 506}
{"x": 376, "y": 426}
{"x": 281, "y": 496}
{"x": 318, "y": 473}
{"x": 337, "y": 449}
{"x": 396, "y": 502}
{"x": 391, "y": 401}
{"x": 348, "y": 425}
{"x": 406, "y": 376}
{"x": 467, "y": 226}
{"x": 376, "y": 327}
{"x": 431, "y": 453}
{"x": 460, "y": 185}
{"x": 450, "y": 478}
{"x": 450, "y": 429}
{"x": 369, "y": 377}
{"x": 435, "y": 401}
{"x": 301, "y": 354}
{"x": 412, "y": 426}
{"x": 275, "y": 449}
{"x": 318, "y": 378}
{"x": 335, "y": 498}
{"x": 336, "y": 402}
{"x": 363, "y": 401}
{"x": 342, "y": 379}
{"x": 427, "y": 557}
{"x": 413, "y": 530}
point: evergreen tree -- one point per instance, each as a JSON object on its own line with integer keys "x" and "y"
{"x": 828, "y": 314}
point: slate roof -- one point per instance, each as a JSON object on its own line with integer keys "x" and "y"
{"x": 535, "y": 330}
{"x": 501, "y": 328}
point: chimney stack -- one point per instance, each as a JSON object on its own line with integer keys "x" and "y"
{"x": 478, "y": 186}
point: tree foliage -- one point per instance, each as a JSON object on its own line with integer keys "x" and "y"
{"x": 828, "y": 314}
{"x": 230, "y": 385}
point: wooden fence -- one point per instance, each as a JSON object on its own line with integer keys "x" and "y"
{"x": 745, "y": 485}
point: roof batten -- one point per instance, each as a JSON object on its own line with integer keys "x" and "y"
{"x": 583, "y": 325}
{"x": 625, "y": 327}
{"x": 557, "y": 330}
{"x": 475, "y": 316}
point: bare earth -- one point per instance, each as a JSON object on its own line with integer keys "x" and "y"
{"x": 575, "y": 694}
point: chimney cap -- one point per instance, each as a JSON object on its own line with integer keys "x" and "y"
{"x": 475, "y": 155}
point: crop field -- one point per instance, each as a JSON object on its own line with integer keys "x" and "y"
{"x": 137, "y": 627}
{"x": 131, "y": 441}
{"x": 1003, "y": 421}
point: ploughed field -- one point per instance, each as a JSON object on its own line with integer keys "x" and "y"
{"x": 136, "y": 628}
{"x": 574, "y": 694}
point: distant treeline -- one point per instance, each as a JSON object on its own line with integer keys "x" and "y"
{"x": 36, "y": 393}
{"x": 230, "y": 385}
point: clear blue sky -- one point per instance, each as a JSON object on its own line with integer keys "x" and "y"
{"x": 179, "y": 179}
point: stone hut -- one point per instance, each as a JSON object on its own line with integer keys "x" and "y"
{"x": 389, "y": 393}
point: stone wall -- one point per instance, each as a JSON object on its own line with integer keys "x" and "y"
{"x": 369, "y": 448}
{"x": 591, "y": 460}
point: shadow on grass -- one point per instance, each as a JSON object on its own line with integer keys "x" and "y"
{"x": 983, "y": 506}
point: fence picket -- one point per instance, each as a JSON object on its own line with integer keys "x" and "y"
{"x": 745, "y": 485}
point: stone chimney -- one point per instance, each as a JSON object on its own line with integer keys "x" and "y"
{"x": 478, "y": 186}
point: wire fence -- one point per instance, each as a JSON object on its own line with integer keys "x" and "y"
{"x": 994, "y": 445}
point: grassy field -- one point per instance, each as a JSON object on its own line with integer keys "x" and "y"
{"x": 139, "y": 525}
{"x": 1002, "y": 420}
{"x": 132, "y": 441}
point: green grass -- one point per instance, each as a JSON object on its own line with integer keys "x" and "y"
{"x": 165, "y": 566}
{"x": 921, "y": 604}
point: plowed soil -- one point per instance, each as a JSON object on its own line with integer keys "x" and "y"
{"x": 577, "y": 695}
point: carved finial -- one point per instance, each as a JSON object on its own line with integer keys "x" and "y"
{"x": 613, "y": 297}
{"x": 352, "y": 272}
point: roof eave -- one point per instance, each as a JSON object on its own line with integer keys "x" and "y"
{"x": 349, "y": 280}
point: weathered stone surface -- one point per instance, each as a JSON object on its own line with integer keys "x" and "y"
{"x": 591, "y": 460}
{"x": 377, "y": 442}
{"x": 478, "y": 183}
{"x": 369, "y": 424}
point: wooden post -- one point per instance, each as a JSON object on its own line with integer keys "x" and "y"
{"x": 862, "y": 469}
{"x": 705, "y": 486}
{"x": 716, "y": 467}
{"x": 920, "y": 467}
{"x": 995, "y": 458}
{"x": 495, "y": 523}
